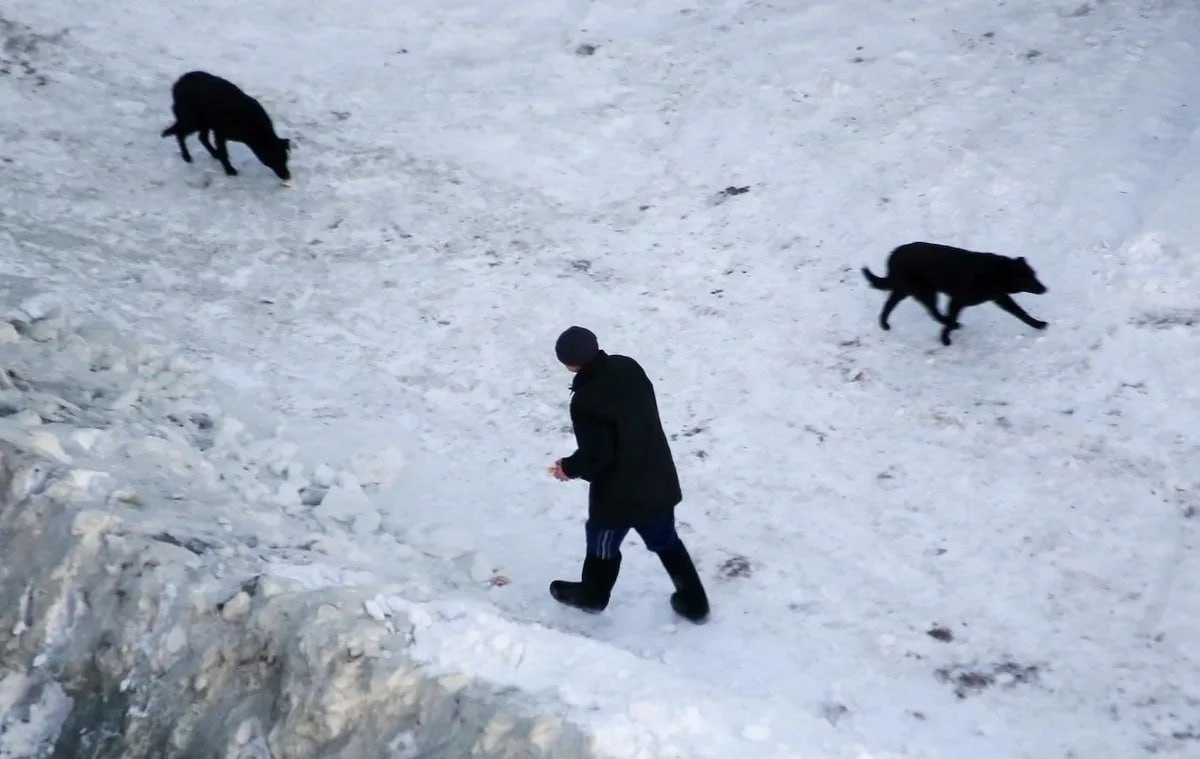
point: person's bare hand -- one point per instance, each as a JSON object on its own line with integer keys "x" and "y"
{"x": 557, "y": 472}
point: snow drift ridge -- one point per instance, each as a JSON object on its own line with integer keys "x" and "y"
{"x": 119, "y": 649}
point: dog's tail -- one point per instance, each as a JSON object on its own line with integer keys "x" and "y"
{"x": 173, "y": 129}
{"x": 879, "y": 283}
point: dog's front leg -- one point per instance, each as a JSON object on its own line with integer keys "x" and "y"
{"x": 1010, "y": 305}
{"x": 952, "y": 311}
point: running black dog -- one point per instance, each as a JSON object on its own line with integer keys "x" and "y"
{"x": 924, "y": 269}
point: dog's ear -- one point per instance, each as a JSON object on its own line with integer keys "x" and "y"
{"x": 1021, "y": 259}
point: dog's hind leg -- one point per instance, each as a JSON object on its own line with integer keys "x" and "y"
{"x": 893, "y": 300}
{"x": 1011, "y": 306}
{"x": 951, "y": 323}
{"x": 181, "y": 129}
{"x": 928, "y": 299}
{"x": 208, "y": 145}
{"x": 183, "y": 151}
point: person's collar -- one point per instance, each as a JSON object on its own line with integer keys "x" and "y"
{"x": 588, "y": 370}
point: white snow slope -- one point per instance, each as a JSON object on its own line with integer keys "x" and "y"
{"x": 469, "y": 182}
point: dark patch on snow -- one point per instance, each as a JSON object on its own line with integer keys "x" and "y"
{"x": 940, "y": 633}
{"x": 969, "y": 680}
{"x": 1031, "y": 54}
{"x": 195, "y": 545}
{"x": 1180, "y": 317}
{"x": 585, "y": 49}
{"x": 1173, "y": 742}
{"x": 20, "y": 46}
{"x": 820, "y": 435}
{"x": 100, "y": 713}
{"x": 833, "y": 712}
{"x": 723, "y": 195}
{"x": 13, "y": 379}
{"x": 250, "y": 587}
{"x": 735, "y": 566}
{"x": 690, "y": 432}
{"x": 312, "y": 495}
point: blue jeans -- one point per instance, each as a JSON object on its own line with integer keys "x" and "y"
{"x": 658, "y": 535}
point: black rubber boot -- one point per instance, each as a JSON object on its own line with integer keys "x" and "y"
{"x": 689, "y": 599}
{"x": 592, "y": 593}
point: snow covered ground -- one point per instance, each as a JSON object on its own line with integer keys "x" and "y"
{"x": 985, "y": 550}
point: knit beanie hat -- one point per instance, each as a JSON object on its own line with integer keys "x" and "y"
{"x": 576, "y": 346}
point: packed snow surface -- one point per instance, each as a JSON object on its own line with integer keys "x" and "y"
{"x": 269, "y": 456}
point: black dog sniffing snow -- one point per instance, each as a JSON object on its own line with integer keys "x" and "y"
{"x": 924, "y": 269}
{"x": 204, "y": 102}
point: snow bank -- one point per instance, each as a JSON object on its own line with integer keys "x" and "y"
{"x": 124, "y": 645}
{"x": 133, "y": 627}
{"x": 163, "y": 592}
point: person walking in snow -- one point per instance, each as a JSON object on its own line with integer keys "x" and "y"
{"x": 624, "y": 455}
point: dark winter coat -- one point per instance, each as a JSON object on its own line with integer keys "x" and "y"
{"x": 623, "y": 451}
